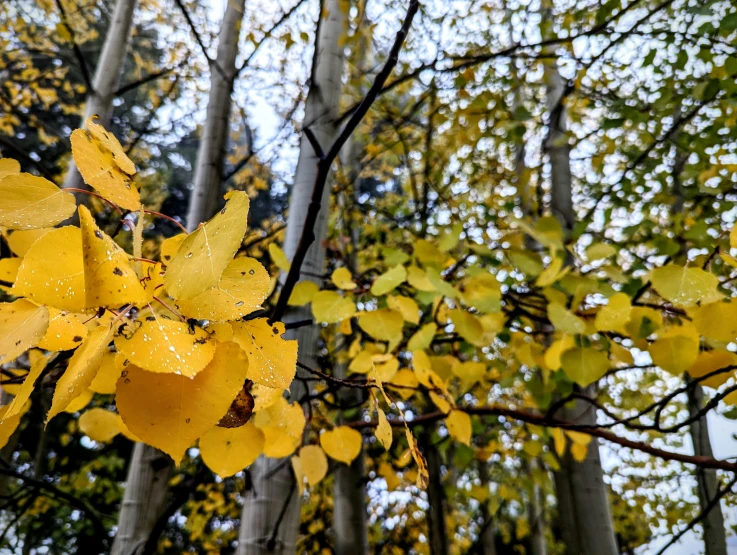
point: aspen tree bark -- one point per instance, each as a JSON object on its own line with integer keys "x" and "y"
{"x": 487, "y": 542}
{"x": 144, "y": 498}
{"x": 149, "y": 470}
{"x": 107, "y": 75}
{"x": 715, "y": 541}
{"x": 436, "y": 499}
{"x": 583, "y": 505}
{"x": 206, "y": 193}
{"x": 271, "y": 508}
{"x": 349, "y": 491}
{"x": 536, "y": 513}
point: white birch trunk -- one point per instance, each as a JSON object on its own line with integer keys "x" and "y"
{"x": 149, "y": 470}
{"x": 349, "y": 492}
{"x": 107, "y": 75}
{"x": 487, "y": 540}
{"x": 583, "y": 504}
{"x": 271, "y": 508}
{"x": 208, "y": 174}
{"x": 144, "y": 498}
{"x": 715, "y": 541}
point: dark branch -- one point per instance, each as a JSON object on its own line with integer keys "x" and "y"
{"x": 323, "y": 166}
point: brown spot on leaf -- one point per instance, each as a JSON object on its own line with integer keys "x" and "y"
{"x": 240, "y": 410}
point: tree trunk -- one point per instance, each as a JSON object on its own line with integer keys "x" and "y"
{"x": 583, "y": 505}
{"x": 437, "y": 530}
{"x": 270, "y": 517}
{"x": 107, "y": 75}
{"x": 715, "y": 541}
{"x": 536, "y": 512}
{"x": 487, "y": 540}
{"x": 349, "y": 492}
{"x": 208, "y": 174}
{"x": 149, "y": 470}
{"x": 144, "y": 498}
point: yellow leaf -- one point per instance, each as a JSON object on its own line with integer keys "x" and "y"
{"x": 30, "y": 202}
{"x": 170, "y": 247}
{"x": 80, "y": 402}
{"x": 283, "y": 424}
{"x": 242, "y": 288}
{"x": 99, "y": 424}
{"x": 9, "y": 269}
{"x": 482, "y": 292}
{"x": 279, "y": 257}
{"x": 552, "y": 355}
{"x": 441, "y": 402}
{"x": 303, "y": 293}
{"x": 101, "y": 172}
{"x": 8, "y": 426}
{"x": 422, "y": 474}
{"x": 8, "y": 166}
{"x": 330, "y": 307}
{"x": 384, "y": 324}
{"x": 170, "y": 411}
{"x": 584, "y": 365}
{"x": 406, "y": 380}
{"x": 422, "y": 338}
{"x": 389, "y": 280}
{"x": 109, "y": 279}
{"x": 470, "y": 372}
{"x": 227, "y": 451}
{"x": 733, "y": 237}
{"x": 459, "y": 426}
{"x": 710, "y": 361}
{"x": 264, "y": 397}
{"x": 419, "y": 280}
{"x": 272, "y": 359}
{"x": 168, "y": 347}
{"x": 81, "y": 369}
{"x": 675, "y": 349}
{"x": 468, "y": 326}
{"x": 22, "y": 325}
{"x": 565, "y": 321}
{"x": 387, "y": 472}
{"x": 299, "y": 473}
{"x": 579, "y": 452}
{"x": 409, "y": 309}
{"x": 559, "y": 439}
{"x": 52, "y": 272}
{"x": 126, "y": 432}
{"x": 343, "y": 279}
{"x": 108, "y": 142}
{"x": 21, "y": 241}
{"x": 685, "y": 286}
{"x": 314, "y": 463}
{"x": 66, "y": 331}
{"x": 615, "y": 315}
{"x": 383, "y": 429}
{"x": 551, "y": 274}
{"x": 206, "y": 252}
{"x": 717, "y": 321}
{"x": 107, "y": 375}
{"x": 24, "y": 393}
{"x": 342, "y": 443}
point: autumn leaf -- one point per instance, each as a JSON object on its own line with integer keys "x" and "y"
{"x": 22, "y": 325}
{"x": 342, "y": 443}
{"x": 203, "y": 256}
{"x": 272, "y": 359}
{"x": 171, "y": 411}
{"x": 81, "y": 370}
{"x": 30, "y": 202}
{"x": 227, "y": 451}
